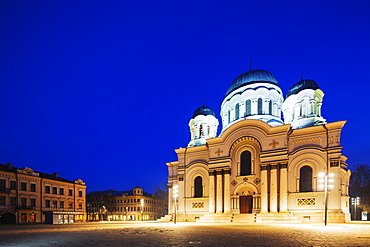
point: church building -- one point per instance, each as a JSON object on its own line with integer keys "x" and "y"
{"x": 262, "y": 167}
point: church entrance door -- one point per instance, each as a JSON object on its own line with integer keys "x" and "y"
{"x": 246, "y": 203}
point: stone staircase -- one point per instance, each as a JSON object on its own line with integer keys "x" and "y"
{"x": 244, "y": 218}
{"x": 216, "y": 218}
{"x": 277, "y": 218}
{"x": 166, "y": 218}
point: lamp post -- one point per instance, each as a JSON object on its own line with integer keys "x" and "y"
{"x": 142, "y": 208}
{"x": 355, "y": 202}
{"x": 325, "y": 183}
{"x": 175, "y": 195}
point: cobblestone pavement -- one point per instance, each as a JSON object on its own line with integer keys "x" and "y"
{"x": 185, "y": 234}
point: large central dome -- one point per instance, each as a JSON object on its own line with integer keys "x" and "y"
{"x": 252, "y": 76}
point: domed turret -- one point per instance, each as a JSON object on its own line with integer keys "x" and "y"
{"x": 203, "y": 125}
{"x": 254, "y": 94}
{"x": 302, "y": 85}
{"x": 252, "y": 76}
{"x": 302, "y": 106}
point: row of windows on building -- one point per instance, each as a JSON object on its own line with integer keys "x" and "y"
{"x": 23, "y": 187}
{"x": 134, "y": 209}
{"x": 97, "y": 199}
{"x": 33, "y": 203}
{"x": 248, "y": 109}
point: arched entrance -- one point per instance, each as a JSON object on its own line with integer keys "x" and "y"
{"x": 8, "y": 218}
{"x": 245, "y": 204}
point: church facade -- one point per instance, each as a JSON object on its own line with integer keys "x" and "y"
{"x": 261, "y": 168}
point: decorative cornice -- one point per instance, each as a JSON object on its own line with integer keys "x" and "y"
{"x": 273, "y": 166}
{"x": 307, "y": 140}
{"x": 244, "y": 138}
{"x": 284, "y": 165}
{"x": 264, "y": 167}
{"x": 227, "y": 171}
{"x": 219, "y": 172}
{"x": 334, "y": 163}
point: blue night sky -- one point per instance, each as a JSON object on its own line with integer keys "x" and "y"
{"x": 104, "y": 90}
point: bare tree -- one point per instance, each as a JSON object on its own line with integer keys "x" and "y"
{"x": 360, "y": 186}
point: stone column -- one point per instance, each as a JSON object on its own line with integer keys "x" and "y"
{"x": 227, "y": 198}
{"x": 181, "y": 200}
{"x": 211, "y": 192}
{"x": 273, "y": 188}
{"x": 283, "y": 187}
{"x": 170, "y": 200}
{"x": 264, "y": 185}
{"x": 219, "y": 191}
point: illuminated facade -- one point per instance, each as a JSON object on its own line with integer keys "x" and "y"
{"x": 27, "y": 196}
{"x": 261, "y": 168}
{"x": 133, "y": 204}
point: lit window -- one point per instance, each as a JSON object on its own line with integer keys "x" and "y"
{"x": 23, "y": 186}
{"x": 198, "y": 187}
{"x": 305, "y": 179}
{"x": 33, "y": 187}
{"x": 248, "y": 108}
{"x": 259, "y": 106}
{"x": 237, "y": 111}
{"x": 246, "y": 163}
{"x": 270, "y": 107}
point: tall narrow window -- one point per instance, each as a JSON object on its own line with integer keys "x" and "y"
{"x": 198, "y": 187}
{"x": 248, "y": 108}
{"x": 208, "y": 130}
{"x": 259, "y": 106}
{"x": 237, "y": 111}
{"x": 270, "y": 107}
{"x": 245, "y": 163}
{"x": 228, "y": 117}
{"x": 305, "y": 179}
{"x": 200, "y": 130}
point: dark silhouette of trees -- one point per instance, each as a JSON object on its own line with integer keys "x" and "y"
{"x": 360, "y": 186}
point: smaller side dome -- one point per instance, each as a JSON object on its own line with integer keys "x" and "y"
{"x": 203, "y": 110}
{"x": 203, "y": 125}
{"x": 301, "y": 85}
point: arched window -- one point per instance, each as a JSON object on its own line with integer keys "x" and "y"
{"x": 248, "y": 108}
{"x": 305, "y": 179}
{"x": 200, "y": 130}
{"x": 245, "y": 163}
{"x": 259, "y": 112}
{"x": 270, "y": 107}
{"x": 198, "y": 187}
{"x": 237, "y": 111}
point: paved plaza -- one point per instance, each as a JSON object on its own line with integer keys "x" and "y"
{"x": 185, "y": 234}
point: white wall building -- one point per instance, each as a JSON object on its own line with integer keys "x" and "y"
{"x": 261, "y": 168}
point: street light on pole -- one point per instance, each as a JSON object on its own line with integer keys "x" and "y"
{"x": 175, "y": 195}
{"x": 355, "y": 202}
{"x": 325, "y": 183}
{"x": 142, "y": 208}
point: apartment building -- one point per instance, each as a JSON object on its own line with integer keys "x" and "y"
{"x": 28, "y": 196}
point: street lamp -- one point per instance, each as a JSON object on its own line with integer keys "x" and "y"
{"x": 355, "y": 202}
{"x": 175, "y": 195}
{"x": 142, "y": 208}
{"x": 325, "y": 183}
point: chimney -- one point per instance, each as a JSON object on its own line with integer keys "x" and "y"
{"x": 10, "y": 165}
{"x": 55, "y": 174}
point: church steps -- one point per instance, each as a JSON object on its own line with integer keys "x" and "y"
{"x": 166, "y": 218}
